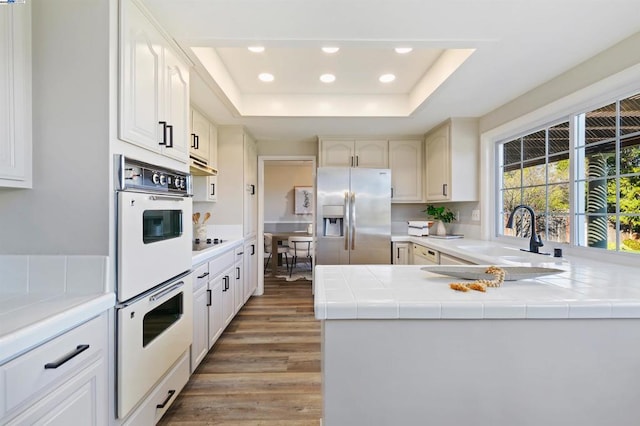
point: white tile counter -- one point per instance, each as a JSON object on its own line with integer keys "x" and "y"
{"x": 44, "y": 296}
{"x": 588, "y": 289}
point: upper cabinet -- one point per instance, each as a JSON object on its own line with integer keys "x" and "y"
{"x": 205, "y": 188}
{"x": 199, "y": 141}
{"x": 406, "y": 164}
{"x": 154, "y": 86}
{"x": 451, "y": 152}
{"x": 354, "y": 153}
{"x": 15, "y": 96}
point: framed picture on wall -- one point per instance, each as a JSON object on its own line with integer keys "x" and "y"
{"x": 303, "y": 199}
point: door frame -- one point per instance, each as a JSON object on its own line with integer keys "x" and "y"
{"x": 262, "y": 159}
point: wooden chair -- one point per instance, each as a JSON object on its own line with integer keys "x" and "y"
{"x": 268, "y": 251}
{"x": 300, "y": 247}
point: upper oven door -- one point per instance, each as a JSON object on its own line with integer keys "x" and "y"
{"x": 154, "y": 240}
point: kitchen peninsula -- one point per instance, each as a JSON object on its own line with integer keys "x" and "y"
{"x": 400, "y": 347}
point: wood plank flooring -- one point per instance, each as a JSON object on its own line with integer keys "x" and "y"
{"x": 265, "y": 368}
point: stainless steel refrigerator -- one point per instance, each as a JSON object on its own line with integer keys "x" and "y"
{"x": 353, "y": 216}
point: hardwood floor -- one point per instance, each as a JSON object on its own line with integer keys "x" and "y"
{"x": 265, "y": 368}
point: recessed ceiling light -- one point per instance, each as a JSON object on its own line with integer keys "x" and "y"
{"x": 403, "y": 50}
{"x": 266, "y": 77}
{"x": 387, "y": 78}
{"x": 330, "y": 49}
{"x": 256, "y": 49}
{"x": 327, "y": 78}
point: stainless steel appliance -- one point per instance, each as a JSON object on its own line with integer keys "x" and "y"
{"x": 154, "y": 288}
{"x": 353, "y": 222}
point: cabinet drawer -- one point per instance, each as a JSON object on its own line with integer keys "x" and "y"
{"x": 46, "y": 366}
{"x": 200, "y": 276}
{"x": 164, "y": 394}
{"x": 220, "y": 263}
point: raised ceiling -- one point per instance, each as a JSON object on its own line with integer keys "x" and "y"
{"x": 469, "y": 57}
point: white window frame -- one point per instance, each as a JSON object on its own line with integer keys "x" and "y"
{"x": 617, "y": 86}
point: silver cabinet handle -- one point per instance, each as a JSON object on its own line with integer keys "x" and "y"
{"x": 353, "y": 221}
{"x": 166, "y": 291}
{"x": 347, "y": 208}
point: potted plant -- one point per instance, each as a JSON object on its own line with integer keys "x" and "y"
{"x": 441, "y": 215}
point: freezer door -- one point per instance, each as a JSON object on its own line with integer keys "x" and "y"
{"x": 370, "y": 216}
{"x": 332, "y": 201}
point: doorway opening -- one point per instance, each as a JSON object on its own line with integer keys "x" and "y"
{"x": 284, "y": 207}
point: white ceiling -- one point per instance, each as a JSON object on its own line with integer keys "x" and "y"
{"x": 514, "y": 46}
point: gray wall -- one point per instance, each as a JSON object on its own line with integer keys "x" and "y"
{"x": 280, "y": 179}
{"x": 67, "y": 211}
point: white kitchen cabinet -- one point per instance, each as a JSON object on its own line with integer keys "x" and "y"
{"x": 451, "y": 153}
{"x": 15, "y": 96}
{"x": 250, "y": 268}
{"x": 400, "y": 253}
{"x": 354, "y": 153}
{"x": 237, "y": 179}
{"x": 238, "y": 284}
{"x": 205, "y": 188}
{"x": 61, "y": 382}
{"x": 154, "y": 86}
{"x": 201, "y": 299}
{"x": 199, "y": 138}
{"x": 406, "y": 163}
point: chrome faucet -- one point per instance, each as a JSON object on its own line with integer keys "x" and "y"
{"x": 535, "y": 241}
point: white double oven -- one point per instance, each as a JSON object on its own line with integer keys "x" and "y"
{"x": 154, "y": 289}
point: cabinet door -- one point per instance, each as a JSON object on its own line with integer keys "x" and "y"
{"x": 400, "y": 253}
{"x": 251, "y": 180}
{"x": 15, "y": 96}
{"x": 216, "y": 319}
{"x": 437, "y": 147}
{"x": 337, "y": 153}
{"x": 199, "y": 345}
{"x": 238, "y": 270}
{"x": 82, "y": 400}
{"x": 405, "y": 162}
{"x": 227, "y": 290}
{"x": 250, "y": 269}
{"x": 140, "y": 79}
{"x": 199, "y": 137}
{"x": 372, "y": 154}
{"x": 176, "y": 106}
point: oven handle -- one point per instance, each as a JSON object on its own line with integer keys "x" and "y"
{"x": 161, "y": 294}
{"x": 163, "y": 198}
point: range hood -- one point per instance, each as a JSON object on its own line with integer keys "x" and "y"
{"x": 201, "y": 168}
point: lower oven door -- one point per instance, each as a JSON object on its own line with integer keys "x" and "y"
{"x": 154, "y": 330}
{"x": 154, "y": 240}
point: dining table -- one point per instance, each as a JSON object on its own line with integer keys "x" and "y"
{"x": 277, "y": 238}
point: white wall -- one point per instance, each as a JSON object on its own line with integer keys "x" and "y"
{"x": 280, "y": 178}
{"x": 68, "y": 209}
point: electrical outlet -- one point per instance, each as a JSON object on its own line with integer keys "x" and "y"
{"x": 475, "y": 215}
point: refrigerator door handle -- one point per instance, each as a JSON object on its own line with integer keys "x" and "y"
{"x": 353, "y": 221}
{"x": 347, "y": 210}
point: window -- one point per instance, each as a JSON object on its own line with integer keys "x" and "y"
{"x": 580, "y": 176}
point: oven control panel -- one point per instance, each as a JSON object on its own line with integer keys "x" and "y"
{"x": 140, "y": 176}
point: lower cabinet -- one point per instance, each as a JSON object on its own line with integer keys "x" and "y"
{"x": 250, "y": 269}
{"x": 238, "y": 284}
{"x": 61, "y": 382}
{"x": 400, "y": 253}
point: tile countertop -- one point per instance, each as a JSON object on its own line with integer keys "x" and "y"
{"x": 44, "y": 296}
{"x": 587, "y": 288}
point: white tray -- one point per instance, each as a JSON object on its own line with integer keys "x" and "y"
{"x": 476, "y": 272}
